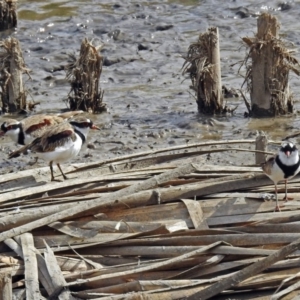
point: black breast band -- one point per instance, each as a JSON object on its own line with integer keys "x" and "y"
{"x": 80, "y": 134}
{"x": 289, "y": 171}
{"x": 21, "y": 138}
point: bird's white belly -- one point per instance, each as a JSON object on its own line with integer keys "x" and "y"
{"x": 277, "y": 174}
{"x": 28, "y": 139}
{"x": 62, "y": 153}
{"x": 14, "y": 134}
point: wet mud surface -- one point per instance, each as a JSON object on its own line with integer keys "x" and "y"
{"x": 149, "y": 102}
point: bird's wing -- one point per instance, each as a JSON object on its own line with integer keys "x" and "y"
{"x": 56, "y": 136}
{"x": 37, "y": 125}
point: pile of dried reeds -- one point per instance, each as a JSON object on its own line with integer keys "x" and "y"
{"x": 140, "y": 227}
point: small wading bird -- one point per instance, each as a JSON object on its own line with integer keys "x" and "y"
{"x": 59, "y": 143}
{"x": 25, "y": 131}
{"x": 284, "y": 166}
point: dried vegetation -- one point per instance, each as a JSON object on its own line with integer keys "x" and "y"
{"x": 202, "y": 63}
{"x": 8, "y": 14}
{"x": 84, "y": 75}
{"x": 13, "y": 96}
{"x": 140, "y": 227}
{"x": 268, "y": 64}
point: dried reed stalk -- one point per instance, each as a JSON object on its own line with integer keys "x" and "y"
{"x": 8, "y": 14}
{"x": 204, "y": 67}
{"x": 84, "y": 75}
{"x": 13, "y": 96}
{"x": 148, "y": 231}
{"x": 267, "y": 75}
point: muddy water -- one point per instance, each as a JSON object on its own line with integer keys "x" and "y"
{"x": 149, "y": 101}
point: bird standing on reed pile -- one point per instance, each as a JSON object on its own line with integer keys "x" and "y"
{"x": 25, "y": 131}
{"x": 284, "y": 166}
{"x": 59, "y": 143}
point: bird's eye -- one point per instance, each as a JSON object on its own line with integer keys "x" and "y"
{"x": 9, "y": 127}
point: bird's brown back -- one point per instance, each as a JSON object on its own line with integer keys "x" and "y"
{"x": 37, "y": 125}
{"x": 56, "y": 136}
{"x": 53, "y": 137}
{"x": 267, "y": 166}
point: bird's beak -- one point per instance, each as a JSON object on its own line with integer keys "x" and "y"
{"x": 95, "y": 127}
{"x": 2, "y": 133}
{"x": 287, "y": 153}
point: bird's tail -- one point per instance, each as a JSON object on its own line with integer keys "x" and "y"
{"x": 34, "y": 146}
{"x": 22, "y": 150}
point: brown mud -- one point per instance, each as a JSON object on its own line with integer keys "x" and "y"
{"x": 149, "y": 102}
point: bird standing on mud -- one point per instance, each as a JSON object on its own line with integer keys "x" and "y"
{"x": 25, "y": 131}
{"x": 284, "y": 166}
{"x": 59, "y": 143}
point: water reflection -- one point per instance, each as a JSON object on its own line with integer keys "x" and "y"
{"x": 41, "y": 11}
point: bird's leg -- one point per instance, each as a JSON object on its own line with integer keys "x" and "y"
{"x": 277, "y": 208}
{"x": 62, "y": 173}
{"x": 286, "y": 198}
{"x": 51, "y": 169}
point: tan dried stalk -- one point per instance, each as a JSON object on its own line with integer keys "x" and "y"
{"x": 84, "y": 75}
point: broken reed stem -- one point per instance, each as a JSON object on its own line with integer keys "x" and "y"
{"x": 147, "y": 184}
{"x": 128, "y": 167}
{"x": 5, "y": 286}
{"x": 245, "y": 273}
{"x": 43, "y": 274}
{"x": 153, "y": 266}
{"x": 31, "y": 266}
{"x": 147, "y": 197}
{"x": 277, "y": 295}
{"x": 170, "y": 149}
{"x": 223, "y": 184}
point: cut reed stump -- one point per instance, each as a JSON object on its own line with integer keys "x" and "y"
{"x": 8, "y": 14}
{"x": 12, "y": 66}
{"x": 268, "y": 73}
{"x": 261, "y": 143}
{"x": 203, "y": 65}
{"x": 84, "y": 75}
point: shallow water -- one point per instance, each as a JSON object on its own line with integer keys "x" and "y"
{"x": 149, "y": 101}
